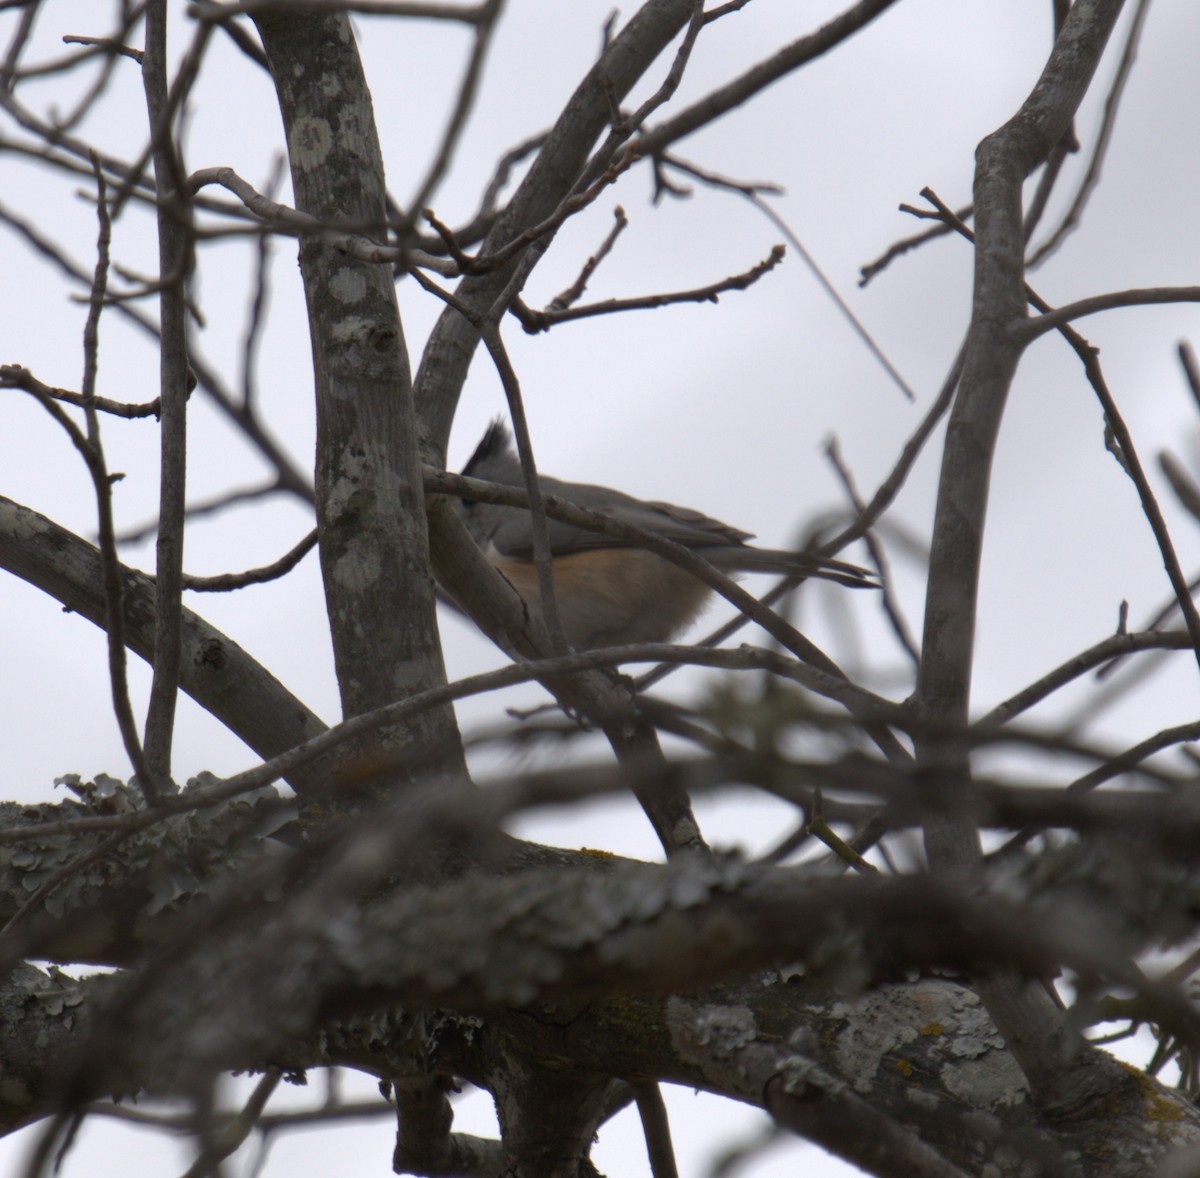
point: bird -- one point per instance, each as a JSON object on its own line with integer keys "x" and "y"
{"x": 610, "y": 592}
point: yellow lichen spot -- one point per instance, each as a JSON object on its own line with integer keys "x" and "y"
{"x": 905, "y": 1068}
{"x": 1159, "y": 1105}
{"x": 596, "y": 854}
{"x": 931, "y": 1029}
{"x": 310, "y": 142}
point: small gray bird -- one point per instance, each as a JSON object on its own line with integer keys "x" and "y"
{"x": 609, "y": 593}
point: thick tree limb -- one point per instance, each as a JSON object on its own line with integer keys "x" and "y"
{"x": 214, "y": 670}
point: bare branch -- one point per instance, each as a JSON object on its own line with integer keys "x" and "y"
{"x": 656, "y": 1127}
{"x": 551, "y": 181}
{"x": 17, "y": 46}
{"x": 705, "y": 176}
{"x": 217, "y": 673}
{"x": 1151, "y": 296}
{"x": 258, "y": 304}
{"x": 901, "y": 247}
{"x": 734, "y": 93}
{"x": 1080, "y": 664}
{"x": 1191, "y": 370}
{"x": 98, "y": 468}
{"x": 575, "y": 291}
{"x": 1030, "y": 1022}
{"x": 535, "y": 321}
{"x": 271, "y": 572}
{"x": 234, "y": 1132}
{"x": 1091, "y": 176}
{"x": 1124, "y": 448}
{"x": 288, "y": 220}
{"x": 174, "y": 262}
{"x": 13, "y": 376}
{"x": 115, "y": 49}
{"x": 463, "y": 13}
{"x": 543, "y": 560}
{"x": 1128, "y": 760}
{"x": 890, "y": 604}
{"x": 487, "y": 17}
{"x": 891, "y": 486}
{"x": 107, "y": 44}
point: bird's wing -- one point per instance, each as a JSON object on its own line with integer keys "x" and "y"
{"x": 514, "y": 536}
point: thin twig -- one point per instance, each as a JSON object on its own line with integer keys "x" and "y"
{"x": 282, "y": 219}
{"x": 97, "y": 47}
{"x": 891, "y": 486}
{"x": 821, "y": 830}
{"x": 880, "y": 501}
{"x": 104, "y": 44}
{"x": 14, "y": 376}
{"x": 98, "y": 468}
{"x": 1149, "y": 296}
{"x": 566, "y": 298}
{"x": 484, "y": 216}
{"x": 1095, "y": 656}
{"x": 160, "y": 150}
{"x": 706, "y": 176}
{"x": 291, "y": 478}
{"x": 234, "y": 1132}
{"x": 265, "y": 773}
{"x": 878, "y": 557}
{"x": 267, "y": 1123}
{"x": 271, "y": 572}
{"x": 255, "y": 319}
{"x": 791, "y": 57}
{"x": 115, "y": 50}
{"x": 657, "y": 1128}
{"x": 901, "y": 247}
{"x": 832, "y": 292}
{"x": 1051, "y": 171}
{"x": 1089, "y": 357}
{"x": 571, "y": 205}
{"x": 463, "y": 13}
{"x": 17, "y": 45}
{"x": 1191, "y": 370}
{"x": 174, "y": 262}
{"x": 1091, "y": 177}
{"x": 542, "y": 555}
{"x": 485, "y": 25}
{"x": 1131, "y": 758}
{"x": 535, "y": 321}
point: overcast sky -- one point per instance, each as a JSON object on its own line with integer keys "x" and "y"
{"x": 721, "y": 407}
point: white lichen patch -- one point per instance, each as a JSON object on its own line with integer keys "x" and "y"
{"x": 990, "y": 1082}
{"x": 24, "y": 525}
{"x": 874, "y": 1028}
{"x": 310, "y": 142}
{"x": 348, "y": 285}
{"x": 703, "y": 1035}
{"x": 359, "y": 571}
{"x": 352, "y": 329}
{"x": 947, "y": 1020}
{"x": 974, "y": 1032}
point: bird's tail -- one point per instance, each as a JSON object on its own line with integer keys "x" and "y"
{"x": 744, "y": 558}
